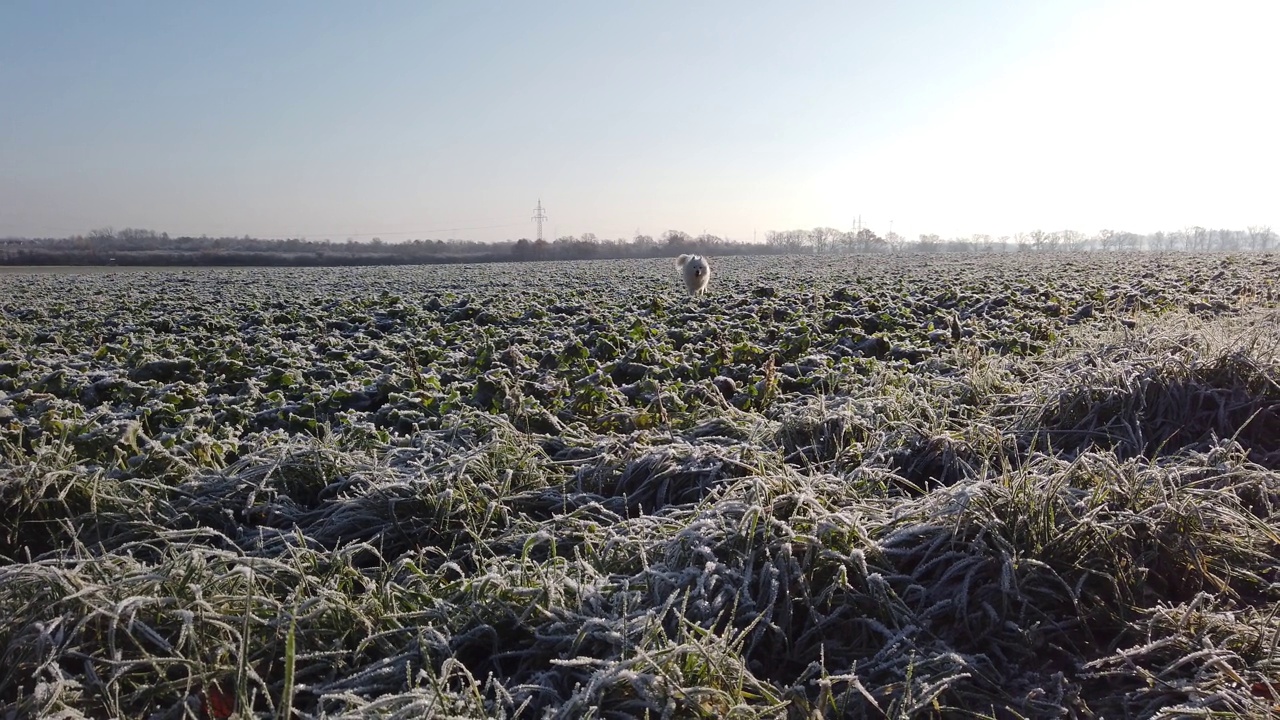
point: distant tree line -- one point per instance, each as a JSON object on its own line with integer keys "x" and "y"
{"x": 146, "y": 247}
{"x": 1192, "y": 239}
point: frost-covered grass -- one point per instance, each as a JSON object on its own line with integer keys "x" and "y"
{"x": 881, "y": 487}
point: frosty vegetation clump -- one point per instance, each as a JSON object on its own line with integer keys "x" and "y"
{"x": 900, "y": 487}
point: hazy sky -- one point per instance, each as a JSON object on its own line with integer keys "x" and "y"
{"x": 417, "y": 119}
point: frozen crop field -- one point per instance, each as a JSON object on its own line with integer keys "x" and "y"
{"x": 891, "y": 486}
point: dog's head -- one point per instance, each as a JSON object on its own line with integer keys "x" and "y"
{"x": 696, "y": 266}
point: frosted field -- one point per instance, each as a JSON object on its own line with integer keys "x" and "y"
{"x": 904, "y": 486}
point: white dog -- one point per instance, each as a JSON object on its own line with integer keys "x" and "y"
{"x": 696, "y": 271}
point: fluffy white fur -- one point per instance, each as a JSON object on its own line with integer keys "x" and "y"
{"x": 696, "y": 272}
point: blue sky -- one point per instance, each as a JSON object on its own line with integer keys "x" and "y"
{"x": 416, "y": 119}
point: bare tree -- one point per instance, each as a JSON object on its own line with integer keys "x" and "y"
{"x": 643, "y": 244}
{"x": 1040, "y": 240}
{"x": 791, "y": 241}
{"x": 1105, "y": 240}
{"x": 1229, "y": 240}
{"x": 796, "y": 240}
{"x": 1260, "y": 237}
{"x": 822, "y": 239}
{"x": 1193, "y": 238}
{"x": 676, "y": 240}
{"x": 862, "y": 241}
{"x": 707, "y": 242}
{"x": 1072, "y": 240}
{"x": 847, "y": 242}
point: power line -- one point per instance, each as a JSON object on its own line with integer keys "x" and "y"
{"x": 540, "y": 216}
